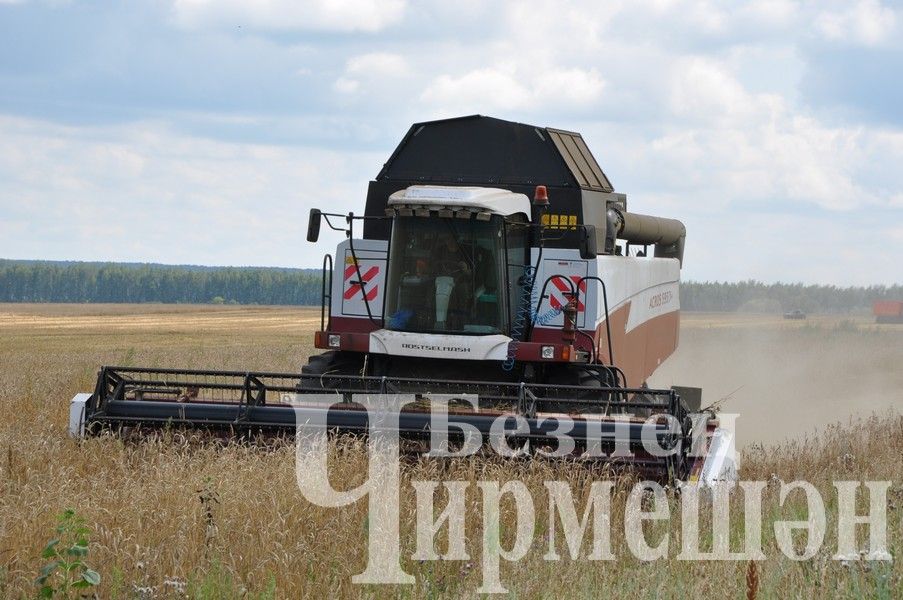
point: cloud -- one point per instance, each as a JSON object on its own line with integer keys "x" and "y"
{"x": 724, "y": 137}
{"x": 145, "y": 193}
{"x": 863, "y": 22}
{"x": 773, "y": 13}
{"x": 303, "y": 15}
{"x": 491, "y": 88}
{"x": 379, "y": 68}
{"x": 508, "y": 89}
{"x": 705, "y": 89}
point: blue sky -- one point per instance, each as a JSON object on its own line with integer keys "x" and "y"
{"x": 195, "y": 131}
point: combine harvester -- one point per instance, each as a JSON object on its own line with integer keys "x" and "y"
{"x": 495, "y": 260}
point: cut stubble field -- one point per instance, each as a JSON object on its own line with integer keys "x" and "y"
{"x": 174, "y": 515}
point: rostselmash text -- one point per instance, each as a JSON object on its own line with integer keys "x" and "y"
{"x": 431, "y": 348}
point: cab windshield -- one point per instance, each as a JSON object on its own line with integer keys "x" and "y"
{"x": 444, "y": 276}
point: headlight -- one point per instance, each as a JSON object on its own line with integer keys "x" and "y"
{"x": 548, "y": 352}
{"x": 335, "y": 340}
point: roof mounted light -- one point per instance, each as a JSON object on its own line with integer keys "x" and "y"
{"x": 540, "y": 196}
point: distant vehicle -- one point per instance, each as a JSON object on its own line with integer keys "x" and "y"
{"x": 795, "y": 314}
{"x": 888, "y": 311}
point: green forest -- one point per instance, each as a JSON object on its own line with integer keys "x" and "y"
{"x": 40, "y": 281}
{"x": 82, "y": 282}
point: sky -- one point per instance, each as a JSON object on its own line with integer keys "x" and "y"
{"x": 202, "y": 132}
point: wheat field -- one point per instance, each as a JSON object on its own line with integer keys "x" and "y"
{"x": 172, "y": 517}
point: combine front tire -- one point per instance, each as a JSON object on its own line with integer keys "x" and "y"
{"x": 316, "y": 373}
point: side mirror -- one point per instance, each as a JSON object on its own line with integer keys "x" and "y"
{"x": 588, "y": 242}
{"x": 313, "y": 225}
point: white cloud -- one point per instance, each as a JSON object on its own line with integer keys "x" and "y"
{"x": 698, "y": 20}
{"x": 576, "y": 87}
{"x": 756, "y": 146}
{"x": 371, "y": 72}
{"x": 490, "y": 88}
{"x": 775, "y": 13}
{"x": 495, "y": 88}
{"x": 865, "y": 22}
{"x": 704, "y": 89}
{"x": 330, "y": 15}
{"x": 142, "y": 192}
{"x": 707, "y": 16}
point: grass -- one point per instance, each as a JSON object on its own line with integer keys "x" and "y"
{"x": 172, "y": 517}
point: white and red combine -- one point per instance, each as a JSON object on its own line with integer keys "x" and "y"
{"x": 495, "y": 269}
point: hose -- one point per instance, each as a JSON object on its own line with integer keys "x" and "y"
{"x": 523, "y": 317}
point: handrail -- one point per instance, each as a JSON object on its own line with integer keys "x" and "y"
{"x": 611, "y": 358}
{"x": 326, "y": 294}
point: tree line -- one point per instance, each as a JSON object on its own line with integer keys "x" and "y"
{"x": 80, "y": 282}
{"x": 32, "y": 281}
{"x": 755, "y": 296}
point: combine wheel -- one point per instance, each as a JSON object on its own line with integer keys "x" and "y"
{"x": 319, "y": 367}
{"x": 590, "y": 378}
{"x": 593, "y": 378}
{"x": 643, "y": 413}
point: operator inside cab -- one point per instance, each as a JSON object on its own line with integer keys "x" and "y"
{"x": 461, "y": 278}
{"x": 446, "y": 277}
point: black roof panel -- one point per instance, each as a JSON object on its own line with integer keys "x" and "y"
{"x": 485, "y": 150}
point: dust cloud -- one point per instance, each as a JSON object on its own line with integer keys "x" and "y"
{"x": 784, "y": 379}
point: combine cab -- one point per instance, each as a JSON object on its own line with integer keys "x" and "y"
{"x": 495, "y": 268}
